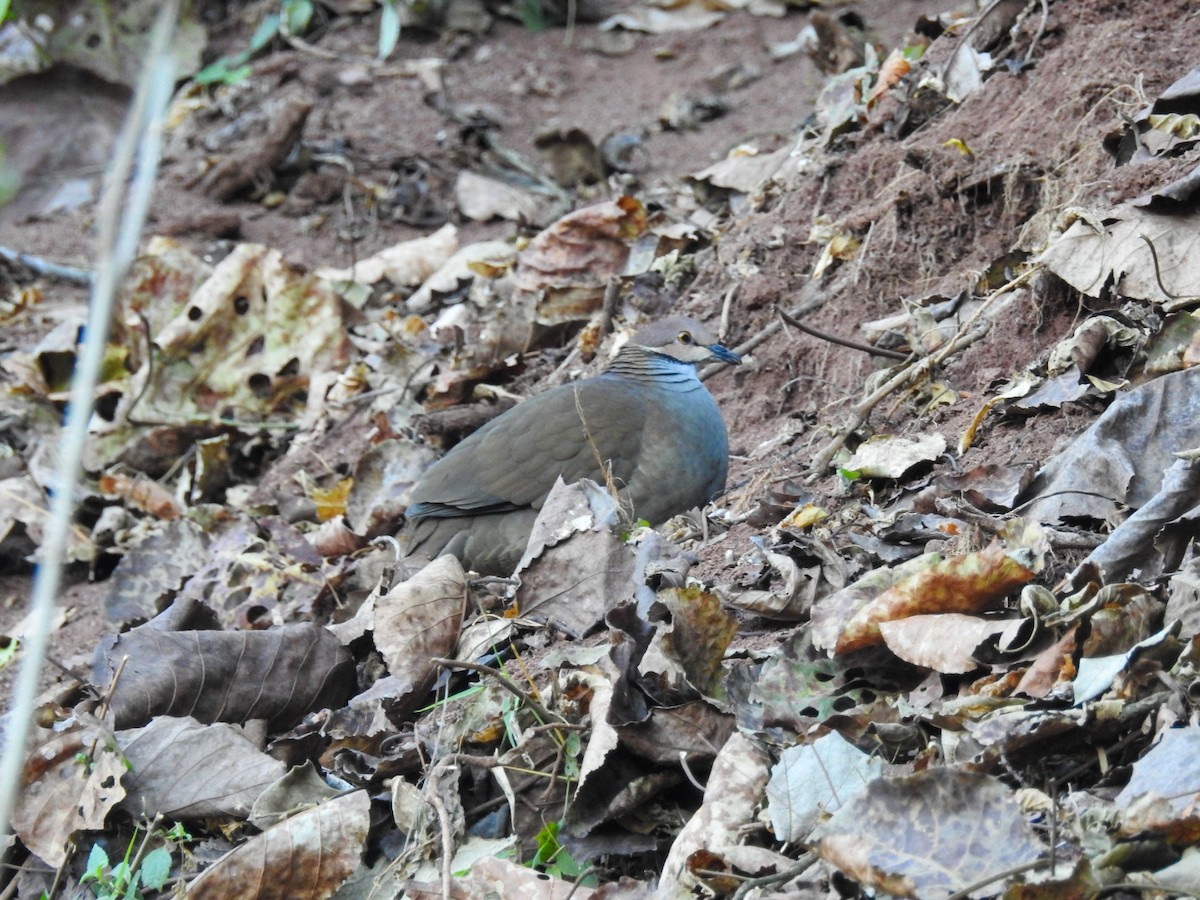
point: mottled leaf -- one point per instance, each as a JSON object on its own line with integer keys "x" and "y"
{"x": 928, "y": 835}
{"x": 69, "y": 784}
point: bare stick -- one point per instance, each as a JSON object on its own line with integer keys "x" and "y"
{"x": 120, "y": 219}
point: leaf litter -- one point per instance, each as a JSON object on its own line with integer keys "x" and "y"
{"x": 919, "y": 673}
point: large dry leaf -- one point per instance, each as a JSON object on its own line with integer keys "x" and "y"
{"x": 306, "y": 856}
{"x": 218, "y": 676}
{"x": 970, "y": 583}
{"x": 1132, "y": 544}
{"x": 184, "y": 769}
{"x": 1092, "y": 255}
{"x": 243, "y": 345}
{"x": 69, "y": 784}
{"x": 928, "y": 835}
{"x": 831, "y": 614}
{"x": 1120, "y": 460}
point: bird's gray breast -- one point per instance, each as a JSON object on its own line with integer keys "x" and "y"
{"x": 684, "y": 457}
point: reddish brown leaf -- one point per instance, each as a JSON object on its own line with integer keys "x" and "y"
{"x": 970, "y": 583}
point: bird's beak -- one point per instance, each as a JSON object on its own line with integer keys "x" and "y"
{"x": 723, "y": 354}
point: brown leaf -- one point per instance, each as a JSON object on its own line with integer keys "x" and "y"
{"x": 570, "y": 262}
{"x": 699, "y": 634}
{"x": 69, "y": 784}
{"x": 970, "y": 583}
{"x": 413, "y": 623}
{"x": 184, "y": 769}
{"x": 307, "y": 856}
{"x": 218, "y": 676}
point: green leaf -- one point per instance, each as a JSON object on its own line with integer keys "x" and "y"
{"x": 233, "y": 69}
{"x": 4, "y": 9}
{"x": 97, "y": 862}
{"x": 8, "y": 651}
{"x": 547, "y": 843}
{"x": 389, "y": 28}
{"x": 156, "y": 868}
{"x": 221, "y": 73}
{"x": 263, "y": 35}
{"x": 296, "y": 15}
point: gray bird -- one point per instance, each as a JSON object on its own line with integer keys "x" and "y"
{"x": 647, "y": 417}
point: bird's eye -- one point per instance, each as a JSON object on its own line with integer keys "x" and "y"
{"x": 685, "y": 337}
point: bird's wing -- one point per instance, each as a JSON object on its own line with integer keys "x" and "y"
{"x": 513, "y": 461}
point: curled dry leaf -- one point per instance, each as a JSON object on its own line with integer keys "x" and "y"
{"x": 307, "y": 856}
{"x": 731, "y": 798}
{"x": 571, "y": 261}
{"x": 141, "y": 493}
{"x": 406, "y": 264}
{"x": 970, "y": 583}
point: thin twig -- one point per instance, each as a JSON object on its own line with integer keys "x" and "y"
{"x": 447, "y": 842}
{"x": 998, "y": 876}
{"x": 122, "y": 213}
{"x": 47, "y": 269}
{"x": 802, "y": 865}
{"x": 504, "y": 681}
{"x": 841, "y": 341}
{"x": 726, "y": 306}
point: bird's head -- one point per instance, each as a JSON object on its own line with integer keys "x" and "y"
{"x": 685, "y": 339}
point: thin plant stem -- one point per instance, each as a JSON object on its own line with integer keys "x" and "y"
{"x": 120, "y": 219}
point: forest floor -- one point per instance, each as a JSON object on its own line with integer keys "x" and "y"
{"x": 781, "y": 195}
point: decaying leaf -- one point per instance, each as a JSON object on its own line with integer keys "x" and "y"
{"x": 306, "y": 856}
{"x": 69, "y": 784}
{"x": 928, "y": 835}
{"x": 572, "y": 261}
{"x": 738, "y": 777}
